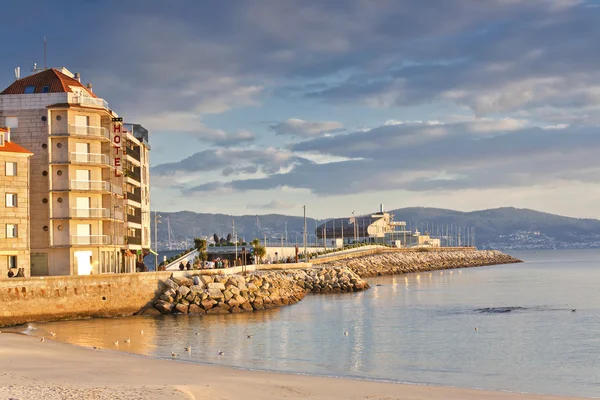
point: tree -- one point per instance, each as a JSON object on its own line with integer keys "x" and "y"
{"x": 259, "y": 251}
{"x": 200, "y": 245}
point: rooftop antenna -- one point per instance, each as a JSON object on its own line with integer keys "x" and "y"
{"x": 45, "y": 52}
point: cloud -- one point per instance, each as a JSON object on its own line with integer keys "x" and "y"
{"x": 306, "y": 129}
{"x": 272, "y": 205}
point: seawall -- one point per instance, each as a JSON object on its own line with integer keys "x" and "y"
{"x": 402, "y": 262}
{"x": 51, "y": 298}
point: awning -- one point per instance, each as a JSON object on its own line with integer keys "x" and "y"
{"x": 129, "y": 254}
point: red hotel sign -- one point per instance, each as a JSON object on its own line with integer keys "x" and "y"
{"x": 117, "y": 138}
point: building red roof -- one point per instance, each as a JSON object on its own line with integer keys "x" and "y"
{"x": 56, "y": 81}
{"x": 10, "y": 147}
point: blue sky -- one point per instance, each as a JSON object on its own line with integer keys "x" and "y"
{"x": 263, "y": 106}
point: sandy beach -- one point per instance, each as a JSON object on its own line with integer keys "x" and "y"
{"x": 30, "y": 369}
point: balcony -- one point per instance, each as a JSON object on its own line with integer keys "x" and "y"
{"x": 90, "y": 239}
{"x": 133, "y": 175}
{"x": 135, "y": 154}
{"x": 133, "y": 197}
{"x": 88, "y": 158}
{"x": 89, "y": 213}
{"x": 89, "y": 101}
{"x": 134, "y": 240}
{"x": 90, "y": 185}
{"x": 136, "y": 219}
{"x": 89, "y": 132}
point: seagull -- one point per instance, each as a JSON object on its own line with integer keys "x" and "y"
{"x": 174, "y": 355}
{"x": 476, "y": 329}
{"x": 128, "y": 340}
{"x": 573, "y": 309}
{"x": 221, "y": 353}
{"x": 42, "y": 339}
{"x": 142, "y": 332}
{"x": 94, "y": 347}
{"x": 196, "y": 333}
{"x": 52, "y": 334}
{"x": 188, "y": 349}
{"x": 345, "y": 333}
{"x": 116, "y": 343}
{"x": 249, "y": 336}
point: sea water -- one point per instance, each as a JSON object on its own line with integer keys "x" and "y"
{"x": 531, "y": 327}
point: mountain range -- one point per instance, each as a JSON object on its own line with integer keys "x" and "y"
{"x": 500, "y": 228}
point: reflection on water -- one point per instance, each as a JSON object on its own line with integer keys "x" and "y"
{"x": 409, "y": 328}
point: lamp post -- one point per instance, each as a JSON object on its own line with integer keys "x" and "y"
{"x": 305, "y": 254}
{"x": 156, "y": 221}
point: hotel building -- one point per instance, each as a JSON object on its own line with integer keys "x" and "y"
{"x": 14, "y": 212}
{"x": 89, "y": 176}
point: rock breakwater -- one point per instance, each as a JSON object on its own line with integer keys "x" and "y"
{"x": 224, "y": 294}
{"x": 393, "y": 263}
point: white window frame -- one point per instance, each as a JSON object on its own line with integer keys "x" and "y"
{"x": 14, "y": 168}
{"x": 12, "y": 231}
{"x": 14, "y": 200}
{"x": 8, "y": 259}
{"x": 11, "y": 122}
{"x": 1, "y": 138}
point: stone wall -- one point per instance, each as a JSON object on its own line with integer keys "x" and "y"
{"x": 402, "y": 262}
{"x": 72, "y": 297}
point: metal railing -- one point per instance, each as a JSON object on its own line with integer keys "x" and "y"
{"x": 90, "y": 213}
{"x": 136, "y": 219}
{"x": 133, "y": 175}
{"x": 90, "y": 239}
{"x": 90, "y": 185}
{"x": 133, "y": 153}
{"x": 134, "y": 240}
{"x": 133, "y": 197}
{"x": 89, "y": 131}
{"x": 90, "y": 101}
{"x": 88, "y": 158}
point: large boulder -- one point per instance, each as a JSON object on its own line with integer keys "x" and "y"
{"x": 246, "y": 306}
{"x": 216, "y": 285}
{"x": 182, "y": 308}
{"x": 197, "y": 288}
{"x": 206, "y": 279}
{"x": 164, "y": 307}
{"x": 183, "y": 281}
{"x": 170, "y": 284}
{"x": 194, "y": 309}
{"x": 183, "y": 290}
{"x": 215, "y": 294}
{"x": 227, "y": 294}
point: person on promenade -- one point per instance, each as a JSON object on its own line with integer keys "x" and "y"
{"x": 181, "y": 266}
{"x": 188, "y": 265}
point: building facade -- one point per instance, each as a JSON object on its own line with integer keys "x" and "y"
{"x": 84, "y": 215}
{"x": 14, "y": 212}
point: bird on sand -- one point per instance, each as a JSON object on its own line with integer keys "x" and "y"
{"x": 196, "y": 333}
{"x": 249, "y": 336}
{"x": 188, "y": 349}
{"x": 221, "y": 353}
{"x": 128, "y": 340}
{"x": 142, "y": 332}
{"x": 95, "y": 348}
{"x": 52, "y": 334}
{"x": 42, "y": 339}
{"x": 573, "y": 310}
{"x": 345, "y": 333}
{"x": 116, "y": 342}
{"x": 174, "y": 355}
{"x": 476, "y": 329}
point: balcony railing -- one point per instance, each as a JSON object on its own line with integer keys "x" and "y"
{"x": 90, "y": 101}
{"x": 133, "y": 197}
{"x": 136, "y": 219}
{"x": 90, "y": 239}
{"x": 117, "y": 189}
{"x": 88, "y": 158}
{"x": 90, "y": 213}
{"x": 133, "y": 175}
{"x": 134, "y": 240}
{"x": 135, "y": 154}
{"x": 87, "y": 131}
{"x": 90, "y": 185}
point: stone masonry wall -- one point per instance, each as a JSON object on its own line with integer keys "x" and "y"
{"x": 72, "y": 297}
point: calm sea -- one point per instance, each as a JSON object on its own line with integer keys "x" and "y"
{"x": 417, "y": 328}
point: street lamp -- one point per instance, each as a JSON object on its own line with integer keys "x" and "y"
{"x": 156, "y": 221}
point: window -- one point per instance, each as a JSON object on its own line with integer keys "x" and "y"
{"x": 11, "y": 199}
{"x": 11, "y": 122}
{"x": 11, "y": 168}
{"x": 46, "y": 89}
{"x": 11, "y": 230}
{"x": 29, "y": 89}
{"x": 1, "y": 139}
{"x": 12, "y": 262}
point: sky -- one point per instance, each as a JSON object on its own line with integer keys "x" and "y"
{"x": 264, "y": 106}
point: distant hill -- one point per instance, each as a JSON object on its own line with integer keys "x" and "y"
{"x": 500, "y": 228}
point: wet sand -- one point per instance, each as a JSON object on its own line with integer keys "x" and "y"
{"x": 30, "y": 369}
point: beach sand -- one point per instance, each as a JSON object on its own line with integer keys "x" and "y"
{"x": 30, "y": 369}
